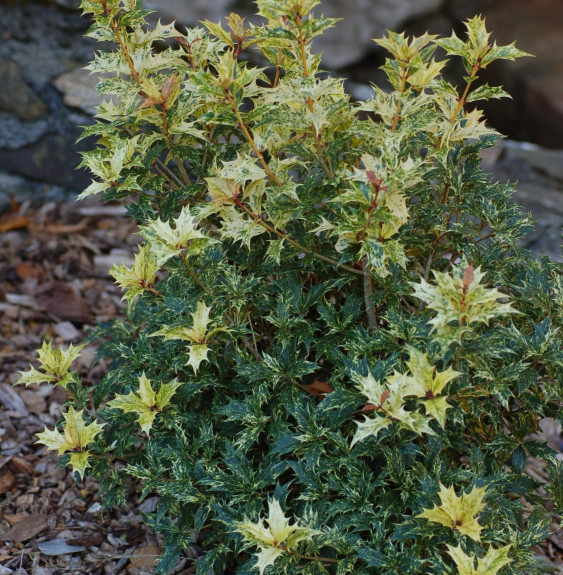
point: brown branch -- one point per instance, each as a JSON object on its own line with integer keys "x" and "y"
{"x": 368, "y": 293}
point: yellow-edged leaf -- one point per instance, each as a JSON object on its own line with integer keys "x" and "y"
{"x": 458, "y": 513}
{"x": 490, "y": 564}
{"x": 139, "y": 277}
{"x": 145, "y": 402}
{"x": 276, "y": 538}
{"x": 75, "y": 437}
{"x": 55, "y": 365}
{"x": 167, "y": 241}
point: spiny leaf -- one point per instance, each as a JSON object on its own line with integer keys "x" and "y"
{"x": 146, "y": 403}
{"x": 460, "y": 301}
{"x": 167, "y": 241}
{"x": 490, "y": 564}
{"x": 427, "y": 384}
{"x": 275, "y": 539}
{"x": 76, "y": 436}
{"x": 458, "y": 513}
{"x": 139, "y": 277}
{"x": 55, "y": 365}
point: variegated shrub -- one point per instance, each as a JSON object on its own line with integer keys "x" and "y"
{"x": 335, "y": 355}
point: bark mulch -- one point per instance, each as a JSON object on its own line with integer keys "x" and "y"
{"x": 54, "y": 283}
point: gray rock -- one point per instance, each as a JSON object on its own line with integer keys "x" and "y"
{"x": 52, "y": 159}
{"x": 40, "y": 63}
{"x": 15, "y": 133}
{"x": 79, "y": 90}
{"x": 190, "y": 12}
{"x": 363, "y": 20}
{"x": 16, "y": 96}
{"x": 539, "y": 190}
{"x": 536, "y": 84}
{"x": 22, "y": 190}
{"x": 67, "y": 4}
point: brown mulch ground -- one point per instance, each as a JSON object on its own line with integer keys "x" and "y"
{"x": 54, "y": 283}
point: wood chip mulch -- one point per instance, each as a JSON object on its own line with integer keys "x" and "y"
{"x": 54, "y": 261}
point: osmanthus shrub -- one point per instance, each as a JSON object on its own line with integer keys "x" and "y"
{"x": 335, "y": 356}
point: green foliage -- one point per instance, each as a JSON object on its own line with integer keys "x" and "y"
{"x": 331, "y": 327}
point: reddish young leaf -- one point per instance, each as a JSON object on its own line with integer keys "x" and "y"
{"x": 468, "y": 274}
{"x": 168, "y": 86}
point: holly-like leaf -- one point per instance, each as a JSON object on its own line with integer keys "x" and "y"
{"x": 458, "y": 513}
{"x": 275, "y": 539}
{"x": 196, "y": 354}
{"x": 388, "y": 407}
{"x": 139, "y": 277}
{"x": 490, "y": 564}
{"x": 76, "y": 436}
{"x": 167, "y": 241}
{"x": 146, "y": 403}
{"x": 55, "y": 365}
{"x": 198, "y": 335}
{"x": 460, "y": 301}
{"x": 427, "y": 384}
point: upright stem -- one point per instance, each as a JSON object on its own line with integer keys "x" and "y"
{"x": 462, "y": 101}
{"x": 166, "y": 133}
{"x": 247, "y": 343}
{"x": 368, "y": 293}
{"x": 404, "y": 77}
{"x": 125, "y": 51}
{"x": 278, "y": 69}
{"x": 250, "y": 140}
{"x": 136, "y": 76}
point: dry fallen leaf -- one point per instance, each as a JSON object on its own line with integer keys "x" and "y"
{"x": 12, "y": 222}
{"x": 63, "y": 302}
{"x": 318, "y": 388}
{"x": 27, "y": 528}
{"x": 7, "y": 481}
{"x": 145, "y": 556}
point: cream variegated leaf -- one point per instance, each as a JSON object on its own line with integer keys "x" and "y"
{"x": 426, "y": 383}
{"x": 145, "y": 402}
{"x": 388, "y": 407}
{"x": 140, "y": 277}
{"x": 196, "y": 354}
{"x": 76, "y": 436}
{"x": 460, "y": 301}
{"x": 198, "y": 335}
{"x": 239, "y": 226}
{"x": 167, "y": 241}
{"x": 242, "y": 170}
{"x": 274, "y": 539}
{"x": 458, "y": 513}
{"x": 490, "y": 564}
{"x": 54, "y": 365}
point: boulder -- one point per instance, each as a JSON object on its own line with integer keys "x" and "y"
{"x": 16, "y": 96}
{"x": 78, "y": 88}
{"x": 190, "y": 12}
{"x": 52, "y": 159}
{"x": 539, "y": 175}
